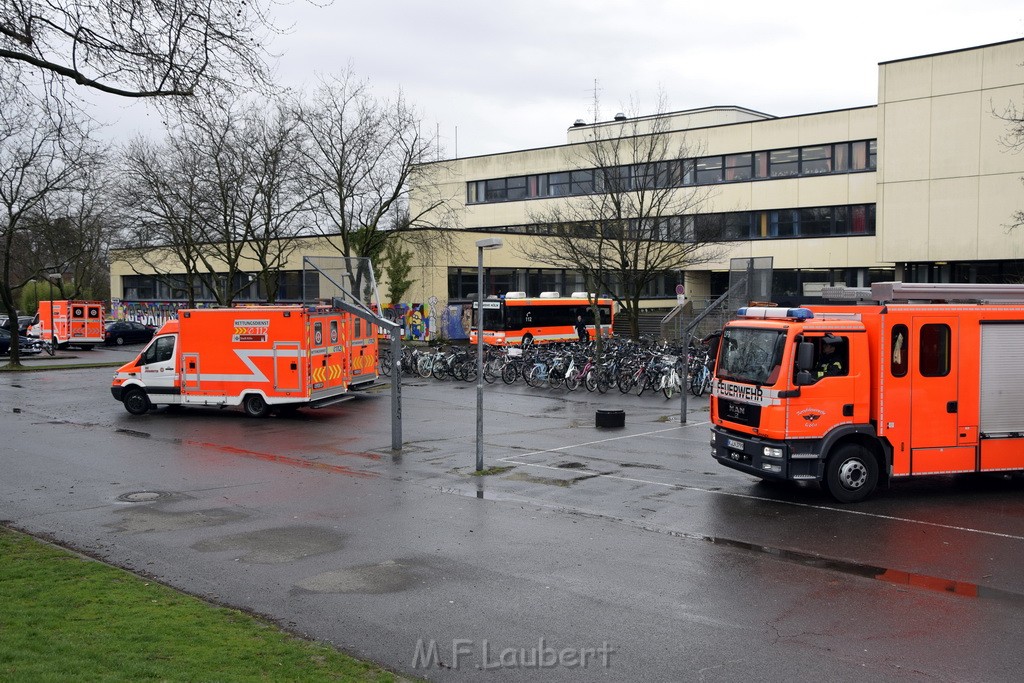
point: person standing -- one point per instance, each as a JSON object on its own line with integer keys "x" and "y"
{"x": 581, "y": 329}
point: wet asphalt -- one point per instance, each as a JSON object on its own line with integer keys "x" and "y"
{"x": 593, "y": 554}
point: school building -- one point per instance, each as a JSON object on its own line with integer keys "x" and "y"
{"x": 920, "y": 187}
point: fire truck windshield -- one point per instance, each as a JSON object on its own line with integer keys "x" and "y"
{"x": 751, "y": 355}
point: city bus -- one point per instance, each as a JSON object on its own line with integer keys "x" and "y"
{"x": 519, "y": 319}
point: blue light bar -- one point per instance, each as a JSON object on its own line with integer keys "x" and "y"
{"x": 765, "y": 312}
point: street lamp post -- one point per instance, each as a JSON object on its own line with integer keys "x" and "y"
{"x": 481, "y": 245}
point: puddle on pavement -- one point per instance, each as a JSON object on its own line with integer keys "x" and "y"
{"x": 138, "y": 520}
{"x": 533, "y": 479}
{"x": 894, "y": 576}
{"x": 391, "y": 576}
{"x": 276, "y": 546}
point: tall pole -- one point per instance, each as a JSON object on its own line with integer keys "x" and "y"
{"x": 480, "y": 359}
{"x": 488, "y": 243}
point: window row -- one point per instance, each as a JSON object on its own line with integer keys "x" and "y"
{"x": 841, "y": 157}
{"x": 250, "y": 287}
{"x": 497, "y": 281}
{"x": 822, "y": 221}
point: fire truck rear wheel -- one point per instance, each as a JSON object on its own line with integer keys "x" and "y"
{"x": 851, "y": 473}
{"x": 136, "y": 402}
{"x": 255, "y": 406}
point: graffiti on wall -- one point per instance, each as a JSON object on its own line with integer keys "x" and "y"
{"x": 154, "y": 313}
{"x": 420, "y": 322}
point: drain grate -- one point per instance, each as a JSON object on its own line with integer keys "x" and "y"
{"x": 142, "y": 496}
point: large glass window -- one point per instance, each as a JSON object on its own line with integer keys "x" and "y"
{"x": 814, "y": 160}
{"x": 738, "y": 167}
{"x": 934, "y": 350}
{"x": 783, "y": 163}
{"x": 816, "y": 222}
{"x": 709, "y": 170}
{"x": 898, "y": 360}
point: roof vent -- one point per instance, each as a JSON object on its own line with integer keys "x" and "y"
{"x": 620, "y": 116}
{"x": 579, "y": 122}
{"x": 549, "y": 295}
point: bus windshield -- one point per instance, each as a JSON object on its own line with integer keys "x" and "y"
{"x": 494, "y": 317}
{"x": 751, "y": 355}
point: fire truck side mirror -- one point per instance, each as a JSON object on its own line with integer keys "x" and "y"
{"x": 804, "y": 378}
{"x": 805, "y": 356}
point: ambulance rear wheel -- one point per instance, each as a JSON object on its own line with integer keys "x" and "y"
{"x": 851, "y": 473}
{"x": 255, "y": 406}
{"x": 136, "y": 402}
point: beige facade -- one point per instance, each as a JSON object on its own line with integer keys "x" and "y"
{"x": 918, "y": 187}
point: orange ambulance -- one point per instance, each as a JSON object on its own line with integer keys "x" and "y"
{"x": 64, "y": 323}
{"x": 259, "y": 357}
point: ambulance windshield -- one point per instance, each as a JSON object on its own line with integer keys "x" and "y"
{"x": 751, "y": 355}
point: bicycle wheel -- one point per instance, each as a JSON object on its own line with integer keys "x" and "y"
{"x": 626, "y": 381}
{"x": 641, "y": 384}
{"x": 669, "y": 387}
{"x": 492, "y": 370}
{"x": 705, "y": 383}
{"x": 424, "y": 366}
{"x": 536, "y": 375}
{"x": 697, "y": 385}
{"x": 572, "y": 381}
{"x": 385, "y": 364}
{"x": 510, "y": 373}
{"x": 590, "y": 381}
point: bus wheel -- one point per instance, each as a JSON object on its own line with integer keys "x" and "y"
{"x": 255, "y": 406}
{"x": 136, "y": 402}
{"x": 851, "y": 473}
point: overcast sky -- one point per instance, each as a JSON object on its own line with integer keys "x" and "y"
{"x": 501, "y": 76}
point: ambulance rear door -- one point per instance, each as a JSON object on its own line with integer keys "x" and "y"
{"x": 328, "y": 363}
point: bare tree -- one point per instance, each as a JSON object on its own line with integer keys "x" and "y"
{"x": 161, "y": 191}
{"x": 277, "y": 190}
{"x": 71, "y": 232}
{"x": 630, "y": 219}
{"x": 138, "y": 48}
{"x": 43, "y": 154}
{"x": 1013, "y": 141}
{"x": 223, "y": 197}
{"x": 364, "y": 157}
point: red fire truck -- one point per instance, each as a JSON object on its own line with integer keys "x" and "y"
{"x": 926, "y": 379}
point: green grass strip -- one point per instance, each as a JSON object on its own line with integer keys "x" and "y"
{"x": 64, "y": 617}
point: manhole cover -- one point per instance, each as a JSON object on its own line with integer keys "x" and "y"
{"x": 141, "y": 496}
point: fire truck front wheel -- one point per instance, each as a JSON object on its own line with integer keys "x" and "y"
{"x": 851, "y": 473}
{"x": 255, "y": 406}
{"x": 135, "y": 401}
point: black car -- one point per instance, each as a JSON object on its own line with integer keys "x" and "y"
{"x": 127, "y": 332}
{"x": 23, "y": 324}
{"x": 28, "y": 347}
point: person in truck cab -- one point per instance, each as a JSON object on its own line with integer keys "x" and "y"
{"x": 830, "y": 360}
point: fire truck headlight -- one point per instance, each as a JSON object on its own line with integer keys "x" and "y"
{"x": 770, "y": 452}
{"x": 712, "y": 439}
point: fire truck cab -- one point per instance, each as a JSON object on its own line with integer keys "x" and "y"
{"x": 927, "y": 379}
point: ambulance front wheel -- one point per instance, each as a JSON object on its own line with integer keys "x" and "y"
{"x": 255, "y": 406}
{"x": 851, "y": 473}
{"x": 136, "y": 402}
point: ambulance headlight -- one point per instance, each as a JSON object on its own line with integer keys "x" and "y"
{"x": 712, "y": 438}
{"x": 770, "y": 452}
